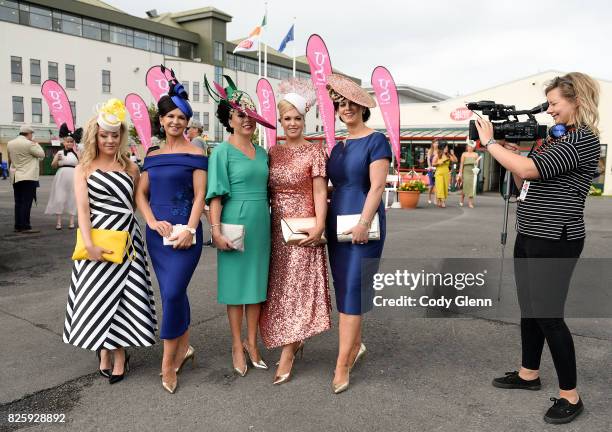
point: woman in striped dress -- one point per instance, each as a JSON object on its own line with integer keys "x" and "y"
{"x": 110, "y": 306}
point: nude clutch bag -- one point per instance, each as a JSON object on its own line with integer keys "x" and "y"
{"x": 346, "y": 222}
{"x": 293, "y": 229}
{"x": 235, "y": 234}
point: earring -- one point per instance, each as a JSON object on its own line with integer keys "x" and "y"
{"x": 161, "y": 128}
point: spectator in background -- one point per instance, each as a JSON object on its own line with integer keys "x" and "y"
{"x": 24, "y": 157}
{"x": 194, "y": 133}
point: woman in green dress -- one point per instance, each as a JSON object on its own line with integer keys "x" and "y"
{"x": 469, "y": 161}
{"x": 237, "y": 194}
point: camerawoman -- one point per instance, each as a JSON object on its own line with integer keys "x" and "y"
{"x": 554, "y": 180}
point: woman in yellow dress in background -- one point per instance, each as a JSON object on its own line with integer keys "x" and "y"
{"x": 442, "y": 162}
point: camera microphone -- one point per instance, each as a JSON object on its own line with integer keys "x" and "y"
{"x": 540, "y": 108}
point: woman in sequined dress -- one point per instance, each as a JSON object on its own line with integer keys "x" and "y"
{"x": 298, "y": 304}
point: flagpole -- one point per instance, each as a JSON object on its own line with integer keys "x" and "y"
{"x": 293, "y": 47}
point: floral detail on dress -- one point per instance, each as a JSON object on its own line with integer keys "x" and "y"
{"x": 182, "y": 201}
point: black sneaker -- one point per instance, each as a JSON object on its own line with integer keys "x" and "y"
{"x": 563, "y": 411}
{"x": 512, "y": 380}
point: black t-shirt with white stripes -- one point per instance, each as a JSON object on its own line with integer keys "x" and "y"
{"x": 566, "y": 166}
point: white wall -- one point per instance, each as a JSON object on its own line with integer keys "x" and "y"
{"x": 524, "y": 94}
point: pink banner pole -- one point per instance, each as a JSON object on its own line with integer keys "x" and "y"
{"x": 140, "y": 118}
{"x": 56, "y": 98}
{"x": 388, "y": 102}
{"x": 267, "y": 108}
{"x": 320, "y": 69}
{"x": 157, "y": 81}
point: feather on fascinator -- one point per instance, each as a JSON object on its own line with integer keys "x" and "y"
{"x": 111, "y": 114}
{"x": 236, "y": 99}
{"x": 65, "y": 132}
{"x": 178, "y": 94}
{"x": 298, "y": 92}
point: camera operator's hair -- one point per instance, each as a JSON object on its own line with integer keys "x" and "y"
{"x": 584, "y": 91}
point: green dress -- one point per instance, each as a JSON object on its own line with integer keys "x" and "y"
{"x": 468, "y": 176}
{"x": 242, "y": 184}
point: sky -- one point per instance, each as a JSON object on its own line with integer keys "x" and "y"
{"x": 452, "y": 47}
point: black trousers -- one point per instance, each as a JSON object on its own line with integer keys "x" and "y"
{"x": 25, "y": 194}
{"x": 542, "y": 284}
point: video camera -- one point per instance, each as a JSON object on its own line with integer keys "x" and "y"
{"x": 510, "y": 129}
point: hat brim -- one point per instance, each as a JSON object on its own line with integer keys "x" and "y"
{"x": 350, "y": 90}
{"x": 253, "y": 114}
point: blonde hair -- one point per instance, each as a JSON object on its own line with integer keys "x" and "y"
{"x": 584, "y": 92}
{"x": 284, "y": 106}
{"x": 90, "y": 145}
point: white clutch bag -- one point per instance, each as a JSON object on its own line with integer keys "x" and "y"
{"x": 293, "y": 229}
{"x": 346, "y": 222}
{"x": 177, "y": 229}
{"x": 235, "y": 234}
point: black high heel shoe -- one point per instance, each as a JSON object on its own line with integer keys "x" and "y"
{"x": 126, "y": 367}
{"x": 106, "y": 373}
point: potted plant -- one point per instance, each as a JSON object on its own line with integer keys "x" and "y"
{"x": 410, "y": 192}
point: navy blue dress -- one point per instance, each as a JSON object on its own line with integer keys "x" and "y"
{"x": 171, "y": 199}
{"x": 348, "y": 169}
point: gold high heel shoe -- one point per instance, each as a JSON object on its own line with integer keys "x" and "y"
{"x": 360, "y": 354}
{"x": 339, "y": 388}
{"x": 170, "y": 387}
{"x": 240, "y": 372}
{"x": 261, "y": 364}
{"x": 189, "y": 355}
{"x": 281, "y": 379}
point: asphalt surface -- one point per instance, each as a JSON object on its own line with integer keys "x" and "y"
{"x": 420, "y": 374}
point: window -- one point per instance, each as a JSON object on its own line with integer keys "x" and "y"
{"x": 106, "y": 81}
{"x": 92, "y": 29}
{"x": 118, "y": 35}
{"x": 36, "y": 110}
{"x": 155, "y": 43}
{"x": 170, "y": 47}
{"x": 18, "y": 109}
{"x": 218, "y": 131}
{"x": 53, "y": 72}
{"x": 196, "y": 91}
{"x": 34, "y": 71}
{"x": 218, "y": 53}
{"x": 205, "y": 121}
{"x": 218, "y": 74}
{"x": 70, "y": 76}
{"x": 196, "y": 115}
{"x": 40, "y": 17}
{"x": 9, "y": 11}
{"x": 16, "y": 69}
{"x": 105, "y": 32}
{"x": 185, "y": 49}
{"x": 73, "y": 109}
{"x": 141, "y": 40}
{"x": 24, "y": 14}
{"x": 71, "y": 24}
{"x": 204, "y": 96}
{"x": 186, "y": 85}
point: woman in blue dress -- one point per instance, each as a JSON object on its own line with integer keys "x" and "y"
{"x": 171, "y": 192}
{"x": 357, "y": 168}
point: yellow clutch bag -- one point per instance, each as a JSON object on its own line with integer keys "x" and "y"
{"x": 116, "y": 241}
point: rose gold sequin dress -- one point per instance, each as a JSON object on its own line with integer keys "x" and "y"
{"x": 298, "y": 304}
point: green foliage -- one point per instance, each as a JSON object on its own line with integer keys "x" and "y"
{"x": 413, "y": 185}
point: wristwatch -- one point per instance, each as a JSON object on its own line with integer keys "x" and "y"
{"x": 191, "y": 230}
{"x": 491, "y": 141}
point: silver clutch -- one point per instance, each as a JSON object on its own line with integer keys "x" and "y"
{"x": 235, "y": 234}
{"x": 293, "y": 229}
{"x": 346, "y": 222}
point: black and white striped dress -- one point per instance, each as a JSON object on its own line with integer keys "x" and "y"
{"x": 111, "y": 305}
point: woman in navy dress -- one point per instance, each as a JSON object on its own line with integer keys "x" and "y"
{"x": 171, "y": 192}
{"x": 358, "y": 169}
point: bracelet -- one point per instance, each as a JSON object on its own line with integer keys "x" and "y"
{"x": 364, "y": 222}
{"x": 491, "y": 141}
{"x": 214, "y": 225}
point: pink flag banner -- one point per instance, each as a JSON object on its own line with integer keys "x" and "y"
{"x": 267, "y": 108}
{"x": 56, "y": 98}
{"x": 140, "y": 118}
{"x": 388, "y": 102}
{"x": 157, "y": 81}
{"x": 320, "y": 69}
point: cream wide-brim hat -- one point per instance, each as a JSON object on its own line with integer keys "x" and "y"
{"x": 349, "y": 89}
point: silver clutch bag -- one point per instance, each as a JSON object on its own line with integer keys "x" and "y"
{"x": 235, "y": 234}
{"x": 293, "y": 229}
{"x": 346, "y": 222}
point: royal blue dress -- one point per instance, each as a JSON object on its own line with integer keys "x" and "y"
{"x": 171, "y": 198}
{"x": 348, "y": 169}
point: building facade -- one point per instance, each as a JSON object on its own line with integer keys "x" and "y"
{"x": 96, "y": 52}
